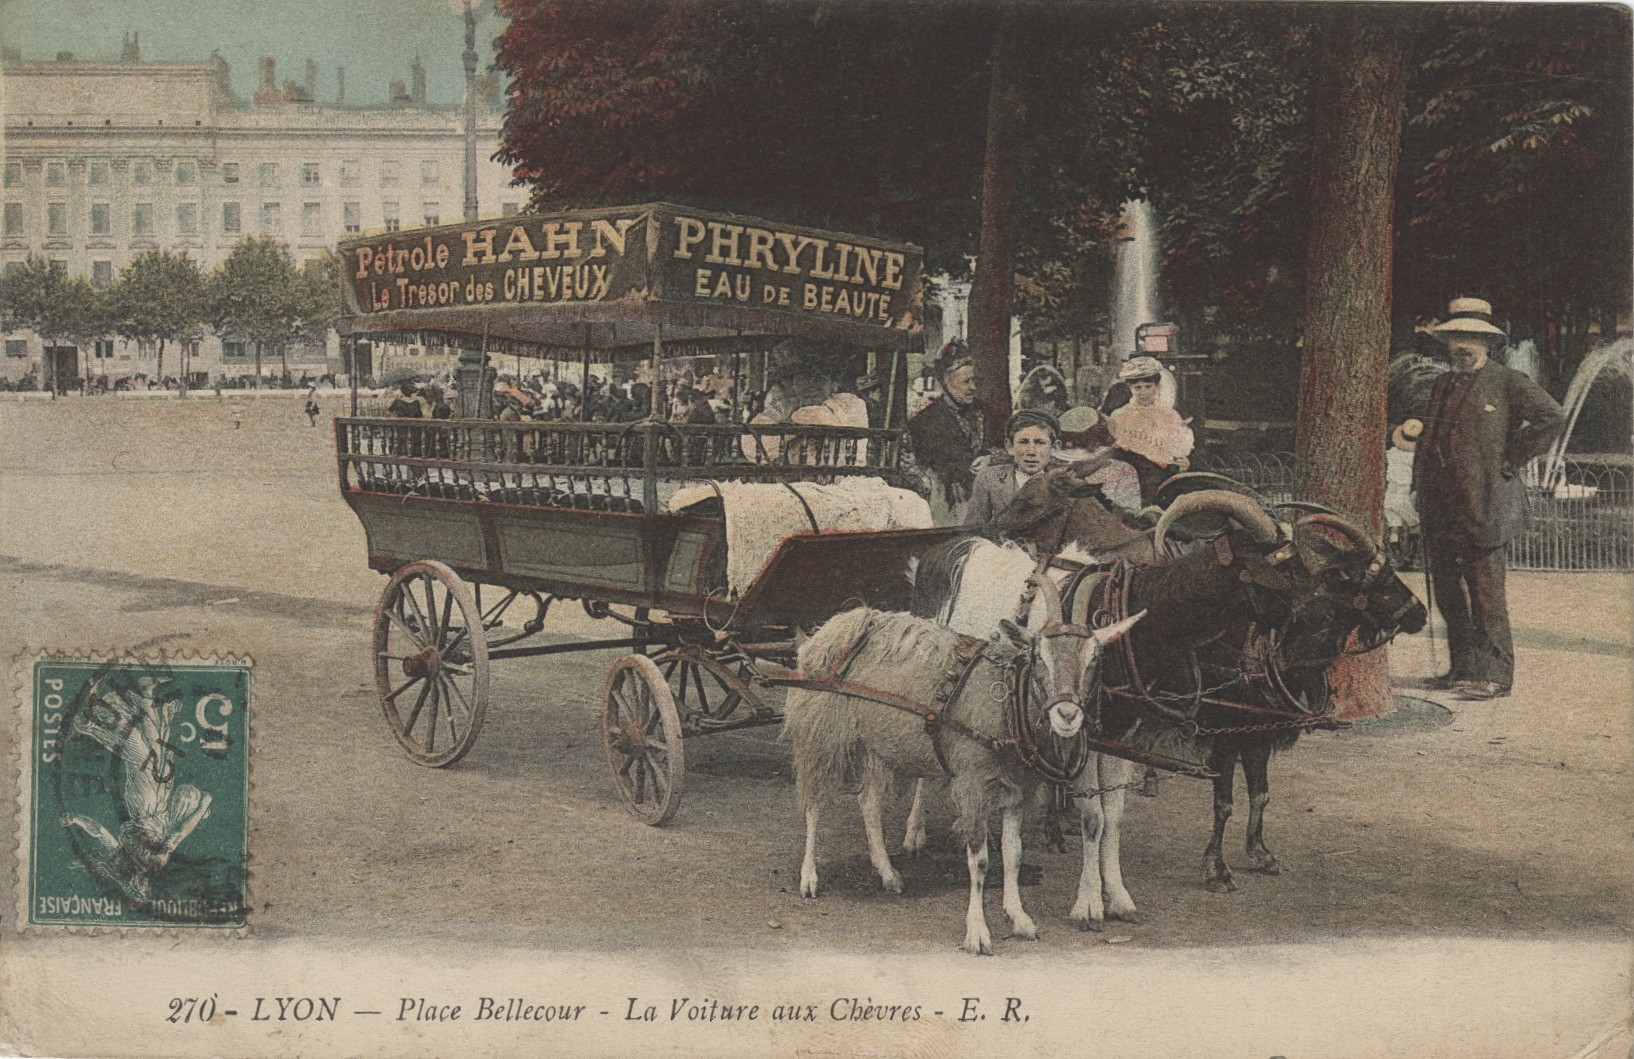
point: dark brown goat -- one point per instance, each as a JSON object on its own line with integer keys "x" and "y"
{"x": 1317, "y": 592}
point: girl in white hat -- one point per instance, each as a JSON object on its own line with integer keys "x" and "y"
{"x": 1148, "y": 429}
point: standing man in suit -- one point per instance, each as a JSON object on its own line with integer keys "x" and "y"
{"x": 1485, "y": 421}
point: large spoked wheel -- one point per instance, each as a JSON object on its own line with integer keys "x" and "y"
{"x": 431, "y": 663}
{"x": 642, "y": 731}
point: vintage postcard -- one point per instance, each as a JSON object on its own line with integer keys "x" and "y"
{"x": 816, "y": 529}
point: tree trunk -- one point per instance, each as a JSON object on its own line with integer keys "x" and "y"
{"x": 994, "y": 276}
{"x": 1356, "y": 120}
{"x": 161, "y": 368}
{"x": 257, "y": 383}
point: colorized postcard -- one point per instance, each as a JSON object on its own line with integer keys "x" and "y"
{"x": 816, "y": 529}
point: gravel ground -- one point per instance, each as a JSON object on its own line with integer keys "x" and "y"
{"x": 1462, "y": 857}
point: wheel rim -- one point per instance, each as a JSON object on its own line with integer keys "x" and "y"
{"x": 431, "y": 663}
{"x": 642, "y": 732}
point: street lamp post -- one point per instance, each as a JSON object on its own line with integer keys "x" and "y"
{"x": 473, "y": 379}
{"x": 470, "y": 111}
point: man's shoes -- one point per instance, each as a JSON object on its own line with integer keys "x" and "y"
{"x": 1478, "y": 690}
{"x": 1445, "y": 682}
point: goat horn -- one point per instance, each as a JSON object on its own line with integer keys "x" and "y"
{"x": 1239, "y": 508}
{"x": 1112, "y": 632}
{"x": 1052, "y": 596}
{"x": 1360, "y": 538}
{"x": 1190, "y": 479}
{"x": 1308, "y": 506}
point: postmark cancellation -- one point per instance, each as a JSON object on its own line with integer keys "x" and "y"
{"x": 134, "y": 793}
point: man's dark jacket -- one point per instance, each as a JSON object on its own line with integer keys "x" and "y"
{"x": 1480, "y": 428}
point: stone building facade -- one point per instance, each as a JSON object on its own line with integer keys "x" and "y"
{"x": 103, "y": 160}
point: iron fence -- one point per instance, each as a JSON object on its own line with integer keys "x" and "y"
{"x": 1584, "y": 521}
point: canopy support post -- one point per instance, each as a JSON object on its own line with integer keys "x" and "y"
{"x": 474, "y": 379}
{"x": 649, "y": 480}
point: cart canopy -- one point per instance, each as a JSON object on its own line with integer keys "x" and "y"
{"x": 619, "y": 277}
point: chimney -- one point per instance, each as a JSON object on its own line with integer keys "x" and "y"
{"x": 312, "y": 80}
{"x": 417, "y": 77}
{"x": 340, "y": 85}
{"x": 269, "y": 75}
{"x": 399, "y": 94}
{"x": 132, "y": 50}
{"x": 65, "y": 56}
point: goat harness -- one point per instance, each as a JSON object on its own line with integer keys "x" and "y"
{"x": 1013, "y": 684}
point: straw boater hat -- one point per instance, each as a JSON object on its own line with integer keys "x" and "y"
{"x": 1137, "y": 368}
{"x": 1405, "y": 436}
{"x": 1472, "y": 317}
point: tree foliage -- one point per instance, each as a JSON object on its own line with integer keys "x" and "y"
{"x": 158, "y": 297}
{"x": 256, "y": 292}
{"x": 58, "y": 307}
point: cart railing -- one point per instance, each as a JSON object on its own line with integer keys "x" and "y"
{"x": 601, "y": 466}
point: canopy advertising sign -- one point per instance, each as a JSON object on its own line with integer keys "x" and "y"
{"x": 655, "y": 260}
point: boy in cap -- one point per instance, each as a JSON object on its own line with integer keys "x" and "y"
{"x": 1030, "y": 440}
{"x": 1485, "y": 420}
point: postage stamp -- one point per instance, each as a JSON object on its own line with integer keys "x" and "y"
{"x": 135, "y": 792}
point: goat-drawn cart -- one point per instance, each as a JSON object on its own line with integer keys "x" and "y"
{"x": 483, "y": 526}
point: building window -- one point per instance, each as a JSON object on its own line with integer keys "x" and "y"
{"x": 269, "y": 174}
{"x": 229, "y": 172}
{"x": 311, "y": 219}
{"x": 103, "y": 349}
{"x": 351, "y": 215}
{"x": 186, "y": 174}
{"x": 311, "y": 175}
{"x": 388, "y": 173}
{"x": 14, "y": 174}
{"x": 16, "y": 347}
{"x": 187, "y": 218}
{"x": 233, "y": 351}
{"x": 56, "y": 175}
{"x": 146, "y": 348}
{"x": 56, "y": 218}
{"x": 428, "y": 173}
{"x": 432, "y": 212}
{"x": 141, "y": 219}
{"x": 102, "y": 276}
{"x": 232, "y": 218}
{"x": 14, "y": 218}
{"x": 510, "y": 209}
{"x": 141, "y": 174}
{"x": 97, "y": 175}
{"x": 272, "y": 217}
{"x": 389, "y": 217}
{"x": 59, "y": 265}
{"x": 101, "y": 218}
{"x": 351, "y": 171}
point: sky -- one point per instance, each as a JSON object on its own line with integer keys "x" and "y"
{"x": 374, "y": 39}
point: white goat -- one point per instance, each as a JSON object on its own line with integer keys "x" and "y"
{"x": 834, "y": 733}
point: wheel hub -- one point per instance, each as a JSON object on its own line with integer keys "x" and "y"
{"x": 423, "y": 663}
{"x": 629, "y": 737}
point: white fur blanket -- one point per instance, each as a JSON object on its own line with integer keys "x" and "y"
{"x": 759, "y": 516}
{"x": 992, "y": 584}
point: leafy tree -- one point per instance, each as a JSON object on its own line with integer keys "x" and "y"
{"x": 159, "y": 297}
{"x": 58, "y": 307}
{"x": 256, "y": 292}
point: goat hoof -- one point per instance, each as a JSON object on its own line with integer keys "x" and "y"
{"x": 1267, "y": 865}
{"x": 1090, "y": 923}
{"x": 978, "y": 946}
{"x": 1025, "y": 929}
{"x": 1131, "y": 916}
{"x": 1056, "y": 845}
{"x": 1219, "y": 884}
{"x": 892, "y": 884}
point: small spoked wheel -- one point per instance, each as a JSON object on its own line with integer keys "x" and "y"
{"x": 642, "y": 731}
{"x": 431, "y": 662}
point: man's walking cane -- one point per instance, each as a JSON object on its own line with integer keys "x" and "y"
{"x": 1429, "y": 602}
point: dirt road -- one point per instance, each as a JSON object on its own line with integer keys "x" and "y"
{"x": 1510, "y": 824}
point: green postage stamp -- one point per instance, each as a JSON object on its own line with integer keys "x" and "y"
{"x": 135, "y": 792}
